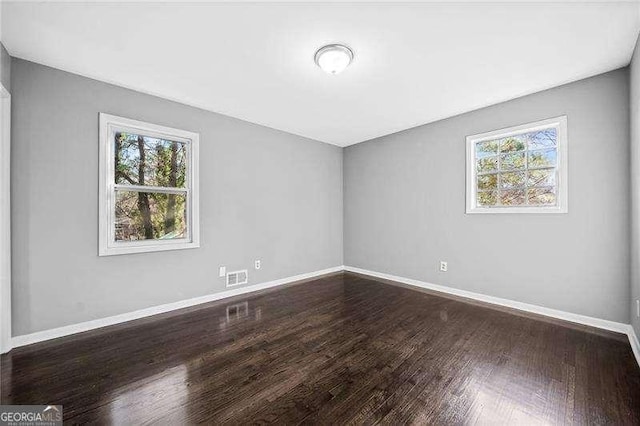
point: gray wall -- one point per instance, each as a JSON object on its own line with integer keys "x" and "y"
{"x": 279, "y": 197}
{"x": 5, "y": 68}
{"x": 405, "y": 206}
{"x": 265, "y": 194}
{"x": 635, "y": 186}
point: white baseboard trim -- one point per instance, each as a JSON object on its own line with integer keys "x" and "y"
{"x": 54, "y": 333}
{"x": 567, "y": 316}
{"x": 554, "y": 313}
{"x": 635, "y": 344}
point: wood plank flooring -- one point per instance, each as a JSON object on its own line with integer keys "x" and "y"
{"x": 342, "y": 349}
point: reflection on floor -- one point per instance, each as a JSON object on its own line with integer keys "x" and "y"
{"x": 334, "y": 350}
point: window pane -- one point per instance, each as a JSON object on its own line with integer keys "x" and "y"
{"x": 150, "y": 216}
{"x": 512, "y": 161}
{"x": 542, "y": 158}
{"x": 547, "y": 138}
{"x": 142, "y": 160}
{"x": 486, "y": 148}
{"x": 487, "y": 198}
{"x": 541, "y": 196}
{"x": 488, "y": 181}
{"x": 542, "y": 177}
{"x": 511, "y": 180}
{"x": 512, "y": 197}
{"x": 488, "y": 164}
{"x": 518, "y": 170}
{"x": 512, "y": 144}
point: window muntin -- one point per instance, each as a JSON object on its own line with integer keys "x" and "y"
{"x": 518, "y": 170}
{"x": 149, "y": 197}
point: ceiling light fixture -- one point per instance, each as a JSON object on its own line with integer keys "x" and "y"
{"x": 334, "y": 58}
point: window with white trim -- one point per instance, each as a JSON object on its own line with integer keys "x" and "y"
{"x": 148, "y": 187}
{"x": 522, "y": 169}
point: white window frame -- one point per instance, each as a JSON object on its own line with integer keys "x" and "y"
{"x": 109, "y": 125}
{"x": 560, "y": 124}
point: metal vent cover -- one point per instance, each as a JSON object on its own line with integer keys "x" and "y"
{"x": 237, "y": 278}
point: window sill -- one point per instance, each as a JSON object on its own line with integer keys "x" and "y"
{"x": 118, "y": 249}
{"x": 517, "y": 210}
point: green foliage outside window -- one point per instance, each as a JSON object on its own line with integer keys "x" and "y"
{"x": 517, "y": 170}
{"x": 150, "y": 162}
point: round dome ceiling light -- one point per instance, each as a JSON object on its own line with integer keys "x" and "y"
{"x": 334, "y": 58}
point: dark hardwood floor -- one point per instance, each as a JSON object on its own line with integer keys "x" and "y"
{"x": 340, "y": 349}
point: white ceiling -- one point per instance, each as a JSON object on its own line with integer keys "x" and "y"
{"x": 414, "y": 62}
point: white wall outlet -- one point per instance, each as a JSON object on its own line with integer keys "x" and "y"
{"x": 443, "y": 266}
{"x": 257, "y": 264}
{"x": 222, "y": 272}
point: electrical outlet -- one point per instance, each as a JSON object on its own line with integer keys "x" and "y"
{"x": 222, "y": 272}
{"x": 443, "y": 266}
{"x": 257, "y": 264}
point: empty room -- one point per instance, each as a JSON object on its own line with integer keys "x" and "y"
{"x": 302, "y": 212}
